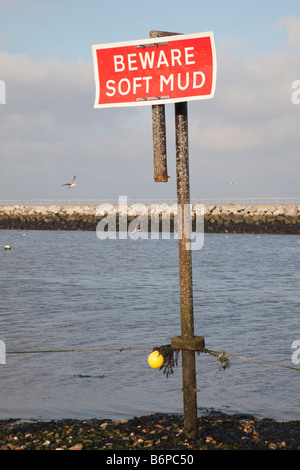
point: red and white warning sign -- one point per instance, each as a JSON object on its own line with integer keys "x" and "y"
{"x": 155, "y": 71}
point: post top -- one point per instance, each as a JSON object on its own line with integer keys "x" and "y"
{"x": 161, "y": 34}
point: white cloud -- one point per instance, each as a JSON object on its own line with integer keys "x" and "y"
{"x": 252, "y": 106}
{"x": 220, "y": 136}
{"x": 49, "y": 129}
{"x": 292, "y": 26}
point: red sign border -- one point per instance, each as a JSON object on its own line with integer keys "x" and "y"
{"x": 182, "y": 37}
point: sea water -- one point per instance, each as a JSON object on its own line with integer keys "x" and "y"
{"x": 67, "y": 290}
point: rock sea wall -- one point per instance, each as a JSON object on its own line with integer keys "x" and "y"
{"x": 253, "y": 219}
{"x": 217, "y": 219}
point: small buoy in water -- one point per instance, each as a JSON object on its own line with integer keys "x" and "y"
{"x": 156, "y": 360}
{"x": 7, "y": 247}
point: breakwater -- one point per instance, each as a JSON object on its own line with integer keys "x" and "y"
{"x": 232, "y": 218}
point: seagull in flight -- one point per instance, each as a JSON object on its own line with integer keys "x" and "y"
{"x": 71, "y": 185}
{"x": 137, "y": 229}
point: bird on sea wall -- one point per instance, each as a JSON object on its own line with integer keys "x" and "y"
{"x": 71, "y": 185}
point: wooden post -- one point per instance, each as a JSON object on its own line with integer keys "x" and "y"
{"x": 159, "y": 131}
{"x": 185, "y": 272}
{"x": 187, "y": 342}
{"x": 159, "y": 143}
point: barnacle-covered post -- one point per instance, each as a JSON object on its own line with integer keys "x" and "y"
{"x": 159, "y": 143}
{"x": 159, "y": 131}
{"x": 185, "y": 271}
{"x": 159, "y": 134}
{"x": 187, "y": 342}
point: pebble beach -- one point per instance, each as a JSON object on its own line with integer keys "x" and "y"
{"x": 158, "y": 432}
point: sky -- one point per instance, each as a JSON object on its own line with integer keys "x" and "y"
{"x": 247, "y": 134}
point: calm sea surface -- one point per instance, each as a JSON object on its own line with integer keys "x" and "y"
{"x": 70, "y": 290}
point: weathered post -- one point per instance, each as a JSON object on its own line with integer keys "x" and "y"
{"x": 159, "y": 132}
{"x": 187, "y": 342}
{"x": 159, "y": 143}
{"x": 185, "y": 271}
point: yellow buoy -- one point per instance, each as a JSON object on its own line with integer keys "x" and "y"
{"x": 156, "y": 360}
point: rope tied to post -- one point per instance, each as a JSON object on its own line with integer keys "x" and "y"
{"x": 170, "y": 358}
{"x": 170, "y": 353}
{"x": 223, "y": 358}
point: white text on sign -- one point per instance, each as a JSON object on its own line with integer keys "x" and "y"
{"x": 172, "y": 69}
{"x": 154, "y": 59}
{"x": 147, "y": 60}
{"x": 125, "y": 86}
